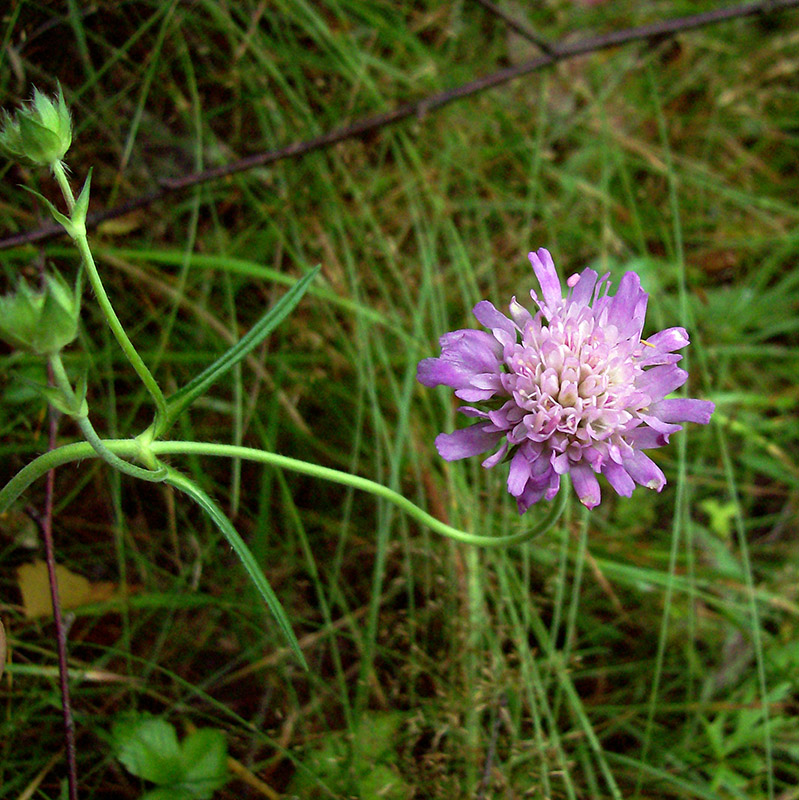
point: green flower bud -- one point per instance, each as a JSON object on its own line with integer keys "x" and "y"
{"x": 41, "y": 322}
{"x": 40, "y": 133}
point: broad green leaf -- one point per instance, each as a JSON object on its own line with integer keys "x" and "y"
{"x": 383, "y": 782}
{"x": 243, "y": 552}
{"x": 329, "y": 768}
{"x": 378, "y": 733}
{"x": 148, "y": 748}
{"x": 168, "y": 793}
{"x": 204, "y": 755}
{"x": 185, "y": 396}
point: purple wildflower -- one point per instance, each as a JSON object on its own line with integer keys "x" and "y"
{"x": 573, "y": 389}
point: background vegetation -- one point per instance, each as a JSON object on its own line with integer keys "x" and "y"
{"x": 647, "y": 649}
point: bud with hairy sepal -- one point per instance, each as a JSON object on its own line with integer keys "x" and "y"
{"x": 40, "y": 133}
{"x": 42, "y": 322}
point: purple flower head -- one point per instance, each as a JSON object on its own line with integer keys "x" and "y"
{"x": 573, "y": 389}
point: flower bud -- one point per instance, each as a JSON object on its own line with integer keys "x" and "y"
{"x": 40, "y": 133}
{"x": 41, "y": 322}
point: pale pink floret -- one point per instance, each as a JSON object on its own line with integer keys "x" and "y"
{"x": 566, "y": 390}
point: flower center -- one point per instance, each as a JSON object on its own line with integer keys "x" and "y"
{"x": 571, "y": 381}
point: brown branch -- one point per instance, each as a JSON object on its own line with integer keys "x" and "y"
{"x": 523, "y": 30}
{"x": 418, "y": 108}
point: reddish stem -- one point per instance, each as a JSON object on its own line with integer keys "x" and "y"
{"x": 60, "y": 630}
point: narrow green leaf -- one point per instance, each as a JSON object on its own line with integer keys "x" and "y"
{"x": 61, "y": 219}
{"x": 81, "y": 389}
{"x": 185, "y": 396}
{"x": 55, "y": 397}
{"x": 246, "y": 557}
{"x": 82, "y": 203}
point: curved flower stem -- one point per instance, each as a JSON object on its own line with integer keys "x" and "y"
{"x": 132, "y": 448}
{"x": 155, "y": 475}
{"x": 82, "y": 242}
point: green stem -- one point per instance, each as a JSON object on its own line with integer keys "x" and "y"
{"x": 82, "y": 241}
{"x": 155, "y": 475}
{"x": 131, "y": 448}
{"x": 63, "y": 184}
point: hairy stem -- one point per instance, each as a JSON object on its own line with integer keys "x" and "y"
{"x": 82, "y": 242}
{"x": 90, "y": 434}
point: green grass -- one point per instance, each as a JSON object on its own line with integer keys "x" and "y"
{"x": 644, "y": 650}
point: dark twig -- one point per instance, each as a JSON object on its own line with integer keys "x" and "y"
{"x": 60, "y": 629}
{"x": 523, "y": 30}
{"x": 655, "y": 31}
{"x": 46, "y": 522}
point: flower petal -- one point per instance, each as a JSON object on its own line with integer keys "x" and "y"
{"x": 487, "y": 380}
{"x": 618, "y": 478}
{"x": 521, "y": 316}
{"x": 533, "y": 493}
{"x": 628, "y": 306}
{"x": 683, "y": 410}
{"x": 465, "y": 354}
{"x": 669, "y": 339}
{"x": 519, "y": 473}
{"x": 493, "y": 460}
{"x": 435, "y": 372}
{"x": 652, "y": 358}
{"x": 472, "y": 395}
{"x": 659, "y": 381}
{"x": 473, "y": 351}
{"x": 659, "y": 425}
{"x": 466, "y": 442}
{"x": 643, "y": 470}
{"x": 503, "y": 329}
{"x": 581, "y": 292}
{"x": 586, "y": 485}
{"x": 544, "y": 269}
{"x": 473, "y": 412}
{"x": 645, "y": 438}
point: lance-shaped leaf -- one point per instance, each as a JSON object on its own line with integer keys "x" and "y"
{"x": 243, "y": 552}
{"x": 195, "y": 388}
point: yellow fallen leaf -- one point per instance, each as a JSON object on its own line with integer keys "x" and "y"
{"x": 73, "y": 590}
